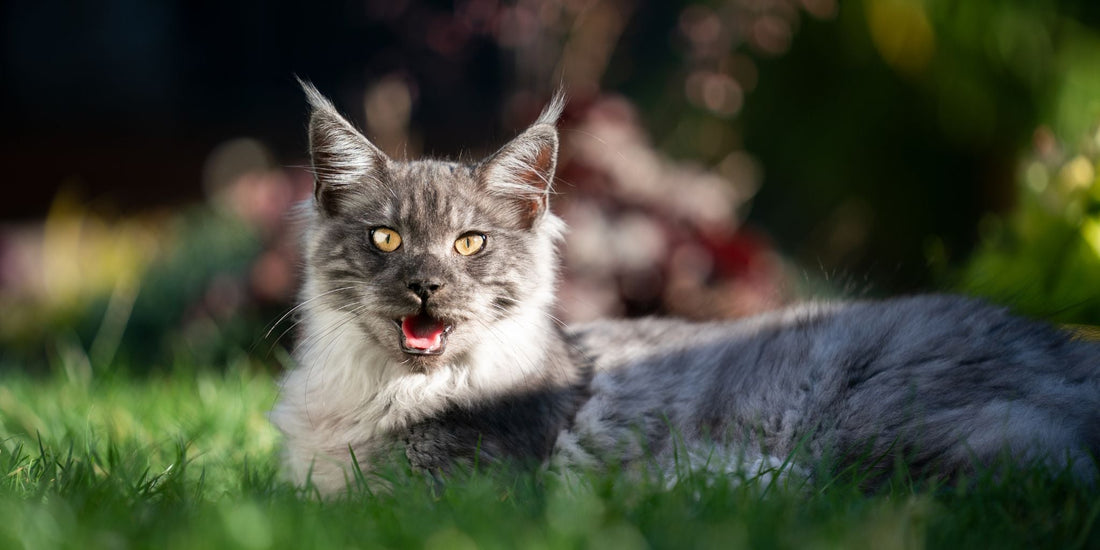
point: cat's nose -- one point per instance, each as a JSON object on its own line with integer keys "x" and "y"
{"x": 424, "y": 289}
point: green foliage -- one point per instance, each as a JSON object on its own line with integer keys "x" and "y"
{"x": 187, "y": 460}
{"x": 900, "y": 124}
{"x": 1044, "y": 259}
{"x": 193, "y": 301}
{"x": 887, "y": 127}
{"x": 188, "y": 297}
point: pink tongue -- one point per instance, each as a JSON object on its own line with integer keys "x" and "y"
{"x": 422, "y": 332}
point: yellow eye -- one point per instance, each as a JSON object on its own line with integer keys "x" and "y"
{"x": 470, "y": 243}
{"x": 385, "y": 239}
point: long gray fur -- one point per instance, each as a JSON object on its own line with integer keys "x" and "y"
{"x": 942, "y": 383}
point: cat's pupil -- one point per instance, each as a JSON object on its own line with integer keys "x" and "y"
{"x": 386, "y": 240}
{"x": 468, "y": 245}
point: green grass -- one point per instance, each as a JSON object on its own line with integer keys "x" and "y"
{"x": 188, "y": 460}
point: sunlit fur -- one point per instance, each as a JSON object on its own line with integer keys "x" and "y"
{"x": 942, "y": 384}
{"x": 354, "y": 386}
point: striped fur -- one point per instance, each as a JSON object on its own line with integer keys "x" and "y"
{"x": 941, "y": 383}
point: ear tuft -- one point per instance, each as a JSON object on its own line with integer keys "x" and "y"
{"x": 523, "y": 170}
{"x": 344, "y": 161}
{"x": 552, "y": 112}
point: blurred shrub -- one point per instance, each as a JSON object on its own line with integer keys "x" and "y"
{"x": 870, "y": 139}
{"x": 652, "y": 235}
{"x": 883, "y": 128}
{"x": 191, "y": 287}
{"x": 871, "y": 150}
{"x": 1044, "y": 259}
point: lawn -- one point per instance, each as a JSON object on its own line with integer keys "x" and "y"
{"x": 188, "y": 460}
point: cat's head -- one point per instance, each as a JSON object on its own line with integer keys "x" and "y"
{"x": 431, "y": 259}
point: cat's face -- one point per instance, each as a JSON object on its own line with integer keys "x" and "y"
{"x": 430, "y": 259}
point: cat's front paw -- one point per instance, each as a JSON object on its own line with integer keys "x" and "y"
{"x": 430, "y": 448}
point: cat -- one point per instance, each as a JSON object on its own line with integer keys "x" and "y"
{"x": 426, "y": 328}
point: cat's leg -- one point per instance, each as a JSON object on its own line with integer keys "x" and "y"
{"x": 520, "y": 429}
{"x": 328, "y": 472}
{"x": 437, "y": 447}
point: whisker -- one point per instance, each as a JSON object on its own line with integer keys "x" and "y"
{"x": 328, "y": 353}
{"x": 296, "y": 323}
{"x": 547, "y": 314}
{"x": 301, "y": 305}
{"x": 305, "y": 345}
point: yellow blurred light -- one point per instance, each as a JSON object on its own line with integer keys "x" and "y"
{"x": 901, "y": 33}
{"x": 1090, "y": 230}
{"x": 1077, "y": 174}
{"x": 84, "y": 256}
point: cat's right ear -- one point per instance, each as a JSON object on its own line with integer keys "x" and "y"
{"x": 344, "y": 161}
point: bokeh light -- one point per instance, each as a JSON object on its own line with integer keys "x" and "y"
{"x": 718, "y": 158}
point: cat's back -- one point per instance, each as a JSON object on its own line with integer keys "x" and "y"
{"x": 901, "y": 329}
{"x": 936, "y": 369}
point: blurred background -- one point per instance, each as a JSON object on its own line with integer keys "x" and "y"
{"x": 719, "y": 158}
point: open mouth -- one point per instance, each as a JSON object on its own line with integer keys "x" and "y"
{"x": 422, "y": 334}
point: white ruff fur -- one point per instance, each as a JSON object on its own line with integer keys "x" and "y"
{"x": 347, "y": 394}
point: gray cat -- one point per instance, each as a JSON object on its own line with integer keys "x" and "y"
{"x": 426, "y": 327}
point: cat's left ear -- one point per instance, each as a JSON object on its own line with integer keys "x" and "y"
{"x": 523, "y": 170}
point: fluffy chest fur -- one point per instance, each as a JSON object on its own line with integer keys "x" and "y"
{"x": 348, "y": 395}
{"x": 425, "y": 327}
